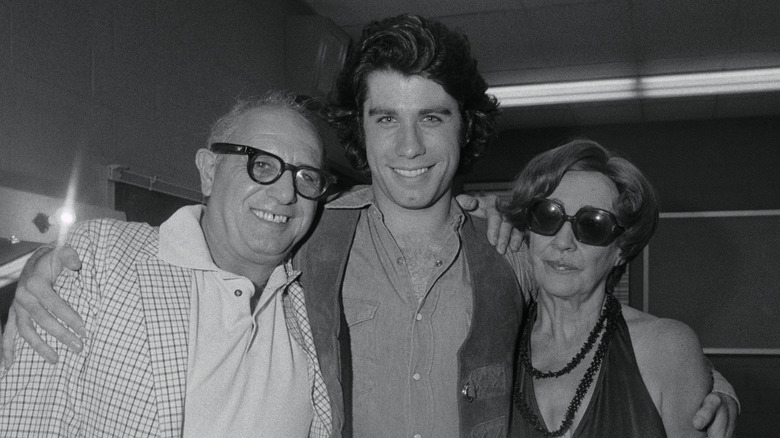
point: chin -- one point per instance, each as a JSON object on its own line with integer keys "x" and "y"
{"x": 418, "y": 200}
{"x": 559, "y": 289}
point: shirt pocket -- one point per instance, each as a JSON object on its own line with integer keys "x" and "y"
{"x": 490, "y": 381}
{"x": 360, "y": 315}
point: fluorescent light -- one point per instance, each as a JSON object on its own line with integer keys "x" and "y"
{"x": 691, "y": 84}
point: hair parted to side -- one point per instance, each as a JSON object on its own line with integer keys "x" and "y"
{"x": 412, "y": 45}
{"x": 225, "y": 125}
{"x": 636, "y": 206}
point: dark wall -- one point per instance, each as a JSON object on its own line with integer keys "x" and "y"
{"x": 89, "y": 84}
{"x": 715, "y": 165}
{"x": 729, "y": 164}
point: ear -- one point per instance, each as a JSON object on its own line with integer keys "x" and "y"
{"x": 207, "y": 166}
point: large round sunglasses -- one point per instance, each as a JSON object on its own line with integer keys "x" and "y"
{"x": 591, "y": 226}
{"x": 266, "y": 168}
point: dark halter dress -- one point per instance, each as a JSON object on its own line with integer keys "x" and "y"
{"x": 620, "y": 407}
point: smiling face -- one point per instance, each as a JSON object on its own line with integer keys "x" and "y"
{"x": 561, "y": 265}
{"x": 412, "y": 134}
{"x": 246, "y": 223}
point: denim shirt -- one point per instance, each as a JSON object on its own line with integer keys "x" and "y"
{"x": 484, "y": 360}
{"x": 404, "y": 336}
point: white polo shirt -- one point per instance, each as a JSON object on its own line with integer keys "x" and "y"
{"x": 247, "y": 375}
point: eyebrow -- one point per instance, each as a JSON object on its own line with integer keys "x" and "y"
{"x": 437, "y": 110}
{"x": 380, "y": 110}
{"x": 386, "y": 111}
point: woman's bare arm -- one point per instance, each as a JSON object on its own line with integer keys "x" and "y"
{"x": 673, "y": 367}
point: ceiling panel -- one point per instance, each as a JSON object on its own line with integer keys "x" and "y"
{"x": 677, "y": 29}
{"x": 665, "y": 66}
{"x": 530, "y": 4}
{"x": 758, "y": 27}
{"x": 498, "y": 55}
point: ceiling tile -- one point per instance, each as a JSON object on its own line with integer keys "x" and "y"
{"x": 683, "y": 65}
{"x": 507, "y": 44}
{"x": 561, "y": 74}
{"x": 758, "y": 27}
{"x": 531, "y": 4}
{"x": 684, "y": 28}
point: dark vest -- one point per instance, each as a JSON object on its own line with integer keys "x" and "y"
{"x": 486, "y": 356}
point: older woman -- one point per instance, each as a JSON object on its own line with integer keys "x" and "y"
{"x": 588, "y": 366}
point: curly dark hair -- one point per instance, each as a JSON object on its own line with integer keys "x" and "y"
{"x": 636, "y": 206}
{"x": 412, "y": 45}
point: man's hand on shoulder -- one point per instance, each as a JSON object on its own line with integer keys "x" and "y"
{"x": 36, "y": 300}
{"x": 718, "y": 414}
{"x": 500, "y": 232}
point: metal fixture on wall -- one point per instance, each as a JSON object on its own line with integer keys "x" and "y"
{"x": 123, "y": 174}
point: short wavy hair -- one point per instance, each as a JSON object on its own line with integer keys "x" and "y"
{"x": 224, "y": 127}
{"x": 636, "y": 206}
{"x": 412, "y": 45}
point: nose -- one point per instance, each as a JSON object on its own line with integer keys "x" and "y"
{"x": 564, "y": 239}
{"x": 283, "y": 189}
{"x": 409, "y": 142}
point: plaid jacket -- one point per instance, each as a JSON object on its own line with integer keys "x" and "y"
{"x": 130, "y": 378}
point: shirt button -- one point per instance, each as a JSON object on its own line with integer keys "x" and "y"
{"x": 400, "y": 260}
{"x": 417, "y": 435}
{"x": 416, "y": 376}
{"x": 419, "y": 317}
{"x": 238, "y": 292}
{"x": 439, "y": 263}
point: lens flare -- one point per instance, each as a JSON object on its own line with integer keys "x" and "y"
{"x": 67, "y": 217}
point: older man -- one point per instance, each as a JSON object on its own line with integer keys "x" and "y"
{"x": 206, "y": 309}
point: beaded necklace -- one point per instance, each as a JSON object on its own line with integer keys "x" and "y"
{"x": 610, "y": 313}
{"x": 594, "y": 334}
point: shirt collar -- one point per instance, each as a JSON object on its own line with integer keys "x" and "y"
{"x": 363, "y": 197}
{"x": 358, "y": 197}
{"x": 281, "y": 277}
{"x": 182, "y": 244}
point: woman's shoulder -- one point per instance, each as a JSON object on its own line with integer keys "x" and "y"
{"x": 668, "y": 354}
{"x": 660, "y": 335}
{"x": 673, "y": 368}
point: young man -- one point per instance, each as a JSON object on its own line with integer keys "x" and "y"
{"x": 199, "y": 327}
{"x": 431, "y": 312}
{"x": 432, "y": 309}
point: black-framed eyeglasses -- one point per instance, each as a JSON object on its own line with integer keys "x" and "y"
{"x": 266, "y": 168}
{"x": 591, "y": 226}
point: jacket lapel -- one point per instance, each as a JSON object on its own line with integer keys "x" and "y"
{"x": 165, "y": 295}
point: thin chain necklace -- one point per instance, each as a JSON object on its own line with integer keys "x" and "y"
{"x": 594, "y": 334}
{"x": 612, "y": 310}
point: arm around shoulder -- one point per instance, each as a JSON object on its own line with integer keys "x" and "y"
{"x": 682, "y": 375}
{"x": 35, "y": 395}
{"x": 40, "y": 304}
